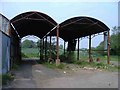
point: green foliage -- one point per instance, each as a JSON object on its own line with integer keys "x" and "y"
{"x": 28, "y": 44}
{"x": 61, "y": 66}
{"x": 49, "y": 65}
{"x": 30, "y": 52}
{"x": 70, "y": 56}
{"x": 63, "y": 58}
{"x": 81, "y": 63}
{"x": 31, "y": 49}
{"x": 114, "y": 42}
{"x": 115, "y": 45}
{"x": 53, "y": 65}
{"x": 97, "y": 65}
{"x": 23, "y": 55}
{"x": 15, "y": 66}
{"x": 6, "y": 78}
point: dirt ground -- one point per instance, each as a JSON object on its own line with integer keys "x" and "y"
{"x": 33, "y": 75}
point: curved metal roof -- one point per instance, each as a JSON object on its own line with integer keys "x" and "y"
{"x": 33, "y": 23}
{"x": 78, "y": 27}
{"x": 39, "y": 24}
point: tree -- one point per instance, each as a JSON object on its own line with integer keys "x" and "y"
{"x": 100, "y": 46}
{"x": 114, "y": 42}
{"x": 28, "y": 44}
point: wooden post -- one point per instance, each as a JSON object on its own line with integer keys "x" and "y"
{"x": 64, "y": 47}
{"x": 78, "y": 50}
{"x": 57, "y": 47}
{"x": 90, "y": 58}
{"x": 108, "y": 48}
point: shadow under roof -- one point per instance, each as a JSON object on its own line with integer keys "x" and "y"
{"x": 39, "y": 24}
{"x": 78, "y": 27}
{"x": 33, "y": 23}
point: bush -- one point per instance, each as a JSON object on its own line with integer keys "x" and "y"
{"x": 53, "y": 65}
{"x": 63, "y": 58}
{"x": 61, "y": 66}
{"x": 23, "y": 55}
{"x": 6, "y": 78}
{"x": 69, "y": 57}
{"x": 82, "y": 63}
{"x": 15, "y": 66}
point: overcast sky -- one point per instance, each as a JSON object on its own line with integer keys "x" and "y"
{"x": 105, "y": 11}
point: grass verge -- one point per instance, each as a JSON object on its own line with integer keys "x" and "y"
{"x": 97, "y": 65}
{"x": 53, "y": 65}
{"x": 7, "y": 78}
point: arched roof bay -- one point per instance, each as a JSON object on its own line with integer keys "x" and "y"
{"x": 33, "y": 23}
{"x": 78, "y": 27}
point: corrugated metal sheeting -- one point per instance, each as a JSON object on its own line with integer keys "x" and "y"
{"x": 5, "y": 53}
{"x": 5, "y": 45}
{"x": 15, "y": 53}
{"x": 0, "y": 52}
{"x": 4, "y": 24}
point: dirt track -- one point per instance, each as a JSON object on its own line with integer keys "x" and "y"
{"x": 32, "y": 75}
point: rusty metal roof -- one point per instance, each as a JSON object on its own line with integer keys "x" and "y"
{"x": 33, "y": 23}
{"x": 39, "y": 24}
{"x": 78, "y": 27}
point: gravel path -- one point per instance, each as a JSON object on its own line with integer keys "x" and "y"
{"x": 33, "y": 75}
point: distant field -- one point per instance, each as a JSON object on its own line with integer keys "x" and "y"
{"x": 84, "y": 56}
{"x": 31, "y": 52}
{"x": 34, "y": 53}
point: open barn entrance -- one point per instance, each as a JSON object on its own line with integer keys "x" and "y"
{"x": 71, "y": 31}
{"x": 30, "y": 48}
{"x": 31, "y": 23}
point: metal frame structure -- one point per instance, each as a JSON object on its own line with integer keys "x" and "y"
{"x": 73, "y": 28}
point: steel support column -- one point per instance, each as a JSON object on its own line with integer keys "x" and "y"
{"x": 40, "y": 49}
{"x": 57, "y": 47}
{"x": 90, "y": 58}
{"x": 78, "y": 50}
{"x": 46, "y": 48}
{"x": 108, "y": 48}
{"x": 43, "y": 48}
{"x": 50, "y": 48}
{"x": 64, "y": 47}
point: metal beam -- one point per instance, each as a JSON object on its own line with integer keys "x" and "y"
{"x": 46, "y": 48}
{"x": 108, "y": 48}
{"x": 64, "y": 47}
{"x": 71, "y": 22}
{"x": 50, "y": 31}
{"x": 90, "y": 58}
{"x": 45, "y": 19}
{"x": 78, "y": 50}
{"x": 50, "y": 48}
{"x": 43, "y": 47}
{"x": 40, "y": 49}
{"x": 35, "y": 19}
{"x": 23, "y": 18}
{"x": 57, "y": 46}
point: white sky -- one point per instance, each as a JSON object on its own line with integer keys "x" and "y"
{"x": 59, "y": 0}
{"x": 61, "y": 10}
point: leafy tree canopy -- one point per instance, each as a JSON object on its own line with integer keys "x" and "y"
{"x": 28, "y": 44}
{"x": 114, "y": 42}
